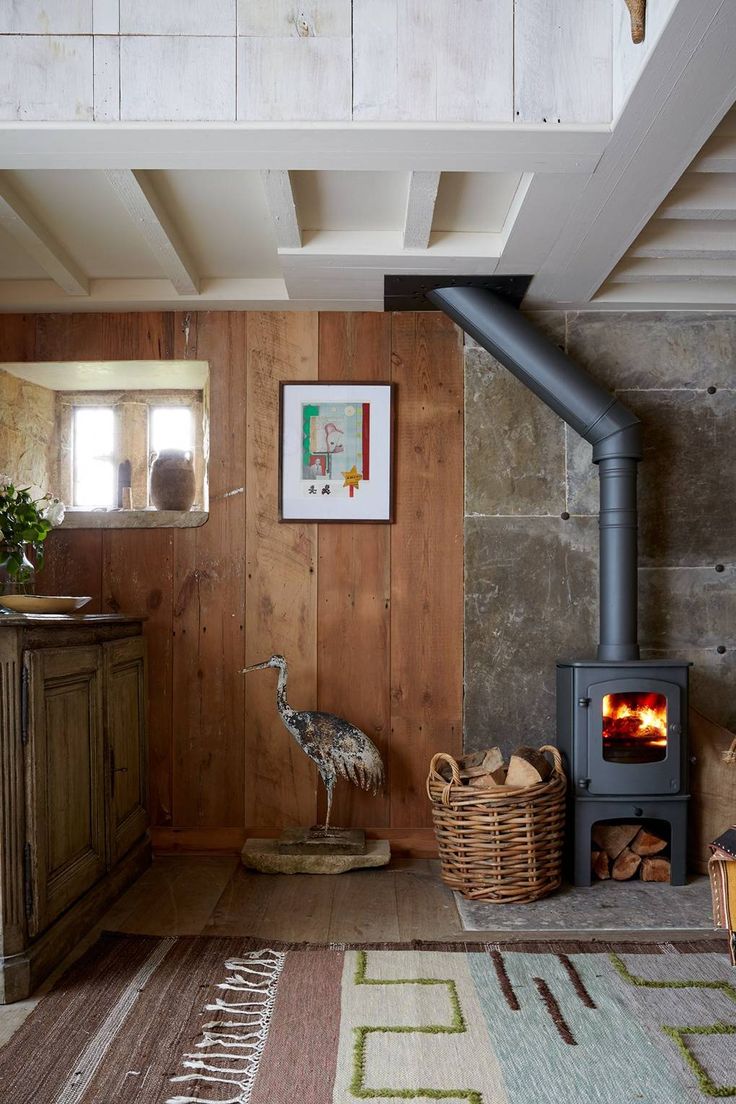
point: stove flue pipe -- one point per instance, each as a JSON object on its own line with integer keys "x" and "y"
{"x": 599, "y": 417}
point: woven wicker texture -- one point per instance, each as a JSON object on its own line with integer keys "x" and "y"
{"x": 503, "y": 845}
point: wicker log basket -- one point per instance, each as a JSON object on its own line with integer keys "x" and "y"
{"x": 503, "y": 845}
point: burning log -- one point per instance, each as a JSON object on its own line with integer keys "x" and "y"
{"x": 626, "y": 865}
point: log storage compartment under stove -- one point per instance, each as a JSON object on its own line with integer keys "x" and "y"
{"x": 621, "y": 721}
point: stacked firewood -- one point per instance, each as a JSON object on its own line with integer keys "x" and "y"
{"x": 488, "y": 769}
{"x": 624, "y": 851}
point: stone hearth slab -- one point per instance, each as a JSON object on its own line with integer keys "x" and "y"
{"x": 263, "y": 855}
{"x": 603, "y": 907}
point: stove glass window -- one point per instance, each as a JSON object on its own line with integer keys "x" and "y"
{"x": 634, "y": 727}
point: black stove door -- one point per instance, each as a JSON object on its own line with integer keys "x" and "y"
{"x": 634, "y": 737}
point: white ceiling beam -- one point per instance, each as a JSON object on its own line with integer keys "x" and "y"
{"x": 673, "y": 238}
{"x": 282, "y": 206}
{"x": 420, "y": 200}
{"x": 216, "y": 294}
{"x": 701, "y": 197}
{"x": 397, "y": 147}
{"x": 540, "y": 206}
{"x": 685, "y": 88}
{"x": 657, "y": 295}
{"x": 37, "y": 241}
{"x": 138, "y": 197}
{"x": 641, "y": 270}
{"x": 719, "y": 156}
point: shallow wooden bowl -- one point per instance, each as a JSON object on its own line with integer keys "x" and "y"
{"x": 42, "y": 603}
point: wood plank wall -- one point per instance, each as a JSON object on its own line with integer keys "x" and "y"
{"x": 369, "y": 616}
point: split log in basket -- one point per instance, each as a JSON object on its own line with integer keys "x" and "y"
{"x": 625, "y": 851}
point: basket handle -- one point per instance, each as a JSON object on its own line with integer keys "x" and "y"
{"x": 556, "y": 759}
{"x": 434, "y": 775}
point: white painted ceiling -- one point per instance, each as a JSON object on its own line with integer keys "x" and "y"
{"x": 275, "y": 156}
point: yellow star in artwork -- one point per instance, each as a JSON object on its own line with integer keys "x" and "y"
{"x": 352, "y": 477}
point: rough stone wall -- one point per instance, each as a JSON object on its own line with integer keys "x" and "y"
{"x": 28, "y": 434}
{"x": 531, "y": 582}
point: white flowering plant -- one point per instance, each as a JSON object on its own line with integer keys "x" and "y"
{"x": 25, "y": 522}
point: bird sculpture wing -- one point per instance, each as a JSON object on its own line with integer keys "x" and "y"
{"x": 344, "y": 750}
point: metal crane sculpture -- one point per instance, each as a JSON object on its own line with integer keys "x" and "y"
{"x": 334, "y": 745}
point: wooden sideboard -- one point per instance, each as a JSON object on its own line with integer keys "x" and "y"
{"x": 73, "y": 783}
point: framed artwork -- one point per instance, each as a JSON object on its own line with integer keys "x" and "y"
{"x": 336, "y": 443}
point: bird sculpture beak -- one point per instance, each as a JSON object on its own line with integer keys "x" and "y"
{"x": 254, "y": 667}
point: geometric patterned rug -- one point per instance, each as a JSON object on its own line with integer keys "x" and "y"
{"x": 229, "y": 1021}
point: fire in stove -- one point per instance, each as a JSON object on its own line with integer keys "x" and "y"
{"x": 634, "y": 727}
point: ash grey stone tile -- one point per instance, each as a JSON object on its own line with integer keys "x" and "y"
{"x": 686, "y": 482}
{"x": 684, "y": 607}
{"x": 712, "y": 681}
{"x": 582, "y": 475}
{"x": 515, "y": 450}
{"x": 531, "y": 598}
{"x": 673, "y": 349}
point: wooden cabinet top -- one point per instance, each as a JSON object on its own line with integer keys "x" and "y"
{"x": 67, "y": 620}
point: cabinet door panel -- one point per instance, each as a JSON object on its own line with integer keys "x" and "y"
{"x": 125, "y": 721}
{"x": 65, "y": 778}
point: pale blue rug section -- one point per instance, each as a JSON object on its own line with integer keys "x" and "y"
{"x": 612, "y": 1060}
{"x": 603, "y": 907}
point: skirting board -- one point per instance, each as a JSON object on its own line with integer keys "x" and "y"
{"x": 417, "y": 842}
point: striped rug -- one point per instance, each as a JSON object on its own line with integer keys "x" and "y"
{"x": 231, "y": 1021}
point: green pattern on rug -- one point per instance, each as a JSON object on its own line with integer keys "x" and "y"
{"x": 677, "y": 1034}
{"x": 456, "y": 1026}
{"x": 690, "y": 983}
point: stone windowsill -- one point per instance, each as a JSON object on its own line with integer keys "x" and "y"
{"x": 134, "y": 519}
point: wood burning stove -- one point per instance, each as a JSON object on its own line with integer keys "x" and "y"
{"x": 621, "y": 720}
{"x": 622, "y": 729}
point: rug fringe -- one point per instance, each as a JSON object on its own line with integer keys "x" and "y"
{"x": 255, "y": 976}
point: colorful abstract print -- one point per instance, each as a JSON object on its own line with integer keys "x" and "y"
{"x": 335, "y": 448}
{"x": 492, "y": 1026}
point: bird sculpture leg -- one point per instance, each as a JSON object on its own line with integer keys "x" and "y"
{"x": 329, "y": 786}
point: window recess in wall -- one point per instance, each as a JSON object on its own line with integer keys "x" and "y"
{"x": 131, "y": 440}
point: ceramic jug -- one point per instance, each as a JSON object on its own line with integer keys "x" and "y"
{"x": 172, "y": 480}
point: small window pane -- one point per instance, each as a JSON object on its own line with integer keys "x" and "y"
{"x": 172, "y": 427}
{"x": 94, "y": 445}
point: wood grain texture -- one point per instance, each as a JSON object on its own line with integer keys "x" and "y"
{"x": 562, "y": 56}
{"x": 419, "y": 60}
{"x": 129, "y": 585}
{"x": 281, "y": 559}
{"x": 386, "y": 599}
{"x": 426, "y": 559}
{"x": 354, "y": 582}
{"x": 209, "y": 596}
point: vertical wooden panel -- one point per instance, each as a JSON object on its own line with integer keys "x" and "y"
{"x": 73, "y": 565}
{"x": 209, "y": 596}
{"x": 281, "y": 581}
{"x": 426, "y": 558}
{"x": 353, "y": 601}
{"x": 137, "y": 579}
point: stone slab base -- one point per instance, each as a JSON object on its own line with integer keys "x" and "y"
{"x": 314, "y": 841}
{"x": 264, "y": 855}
